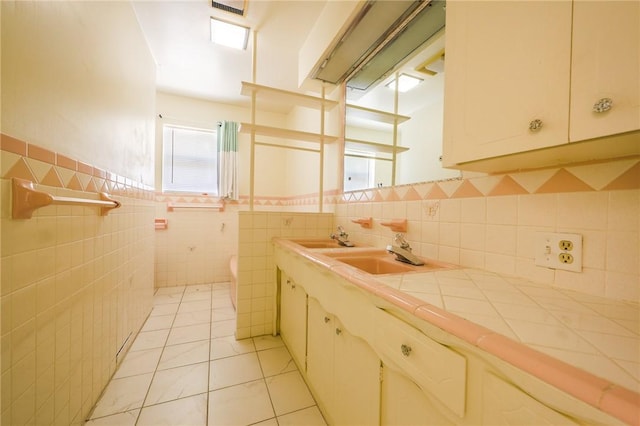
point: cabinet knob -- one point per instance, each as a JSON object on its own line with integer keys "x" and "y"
{"x": 406, "y": 350}
{"x": 338, "y": 331}
{"x": 326, "y": 319}
{"x": 535, "y": 125}
{"x": 603, "y": 105}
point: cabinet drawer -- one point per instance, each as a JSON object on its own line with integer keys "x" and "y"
{"x": 437, "y": 369}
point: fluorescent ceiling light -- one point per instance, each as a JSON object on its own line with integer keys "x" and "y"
{"x": 405, "y": 83}
{"x": 228, "y": 34}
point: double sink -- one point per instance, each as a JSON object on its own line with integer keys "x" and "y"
{"x": 370, "y": 260}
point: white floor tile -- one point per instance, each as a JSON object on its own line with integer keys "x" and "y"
{"x": 276, "y": 361}
{"x": 160, "y": 322}
{"x": 170, "y": 290}
{"x": 223, "y": 347}
{"x": 161, "y": 299}
{"x": 234, "y": 370}
{"x": 196, "y": 295}
{"x": 184, "y": 354}
{"x": 196, "y": 305}
{"x": 178, "y": 382}
{"x": 190, "y": 411}
{"x": 128, "y": 418}
{"x": 150, "y": 340}
{"x": 123, "y": 395}
{"x": 139, "y": 362}
{"x": 309, "y": 417}
{"x": 222, "y": 314}
{"x": 223, "y": 328}
{"x": 192, "y": 318}
{"x": 165, "y": 309}
{"x": 289, "y": 393}
{"x": 240, "y": 405}
{"x": 191, "y": 333}
{"x": 267, "y": 342}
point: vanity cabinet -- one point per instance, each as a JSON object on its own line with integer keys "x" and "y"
{"x": 342, "y": 370}
{"x": 522, "y": 76}
{"x": 293, "y": 318}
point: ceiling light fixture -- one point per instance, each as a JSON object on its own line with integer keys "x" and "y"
{"x": 228, "y": 34}
{"x": 405, "y": 83}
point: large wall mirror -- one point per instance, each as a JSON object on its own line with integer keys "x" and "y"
{"x": 393, "y": 132}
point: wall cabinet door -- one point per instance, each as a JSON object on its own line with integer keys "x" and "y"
{"x": 605, "y": 65}
{"x": 507, "y": 65}
{"x": 344, "y": 372}
{"x": 293, "y": 319}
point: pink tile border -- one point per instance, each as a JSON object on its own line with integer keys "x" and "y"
{"x": 97, "y": 181}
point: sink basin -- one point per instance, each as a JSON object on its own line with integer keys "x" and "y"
{"x": 379, "y": 262}
{"x": 376, "y": 265}
{"x": 318, "y": 243}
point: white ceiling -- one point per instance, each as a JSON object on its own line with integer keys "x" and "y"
{"x": 189, "y": 64}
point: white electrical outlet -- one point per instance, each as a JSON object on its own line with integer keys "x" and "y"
{"x": 559, "y": 251}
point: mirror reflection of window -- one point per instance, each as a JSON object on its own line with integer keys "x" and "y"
{"x": 359, "y": 171}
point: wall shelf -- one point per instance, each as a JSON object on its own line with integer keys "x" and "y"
{"x": 373, "y": 146}
{"x": 356, "y": 111}
{"x": 276, "y": 132}
{"x": 285, "y": 96}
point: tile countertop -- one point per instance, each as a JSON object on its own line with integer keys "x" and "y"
{"x": 587, "y": 346}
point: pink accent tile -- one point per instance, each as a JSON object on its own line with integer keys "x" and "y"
{"x": 74, "y": 183}
{"x": 378, "y": 197}
{"x": 628, "y": 180}
{"x": 85, "y": 168}
{"x": 91, "y": 186}
{"x": 21, "y": 170}
{"x": 392, "y": 196}
{"x": 436, "y": 193}
{"x": 52, "y": 179}
{"x": 41, "y": 154}
{"x": 99, "y": 173}
{"x": 66, "y": 162}
{"x": 449, "y": 187}
{"x": 508, "y": 186}
{"x": 622, "y": 404}
{"x": 466, "y": 190}
{"x": 9, "y": 144}
{"x": 563, "y": 181}
{"x": 411, "y": 195}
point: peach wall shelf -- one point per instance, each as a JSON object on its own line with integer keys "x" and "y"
{"x": 365, "y": 222}
{"x": 396, "y": 225}
{"x": 209, "y": 206}
{"x": 26, "y": 199}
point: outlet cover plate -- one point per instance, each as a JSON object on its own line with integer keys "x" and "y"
{"x": 549, "y": 247}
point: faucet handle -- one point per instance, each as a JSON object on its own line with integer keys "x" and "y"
{"x": 402, "y": 242}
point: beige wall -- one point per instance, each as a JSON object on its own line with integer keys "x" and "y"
{"x": 78, "y": 103}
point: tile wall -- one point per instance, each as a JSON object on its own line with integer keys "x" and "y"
{"x": 490, "y": 221}
{"x": 197, "y": 244}
{"x": 75, "y": 286}
{"x": 256, "y": 271}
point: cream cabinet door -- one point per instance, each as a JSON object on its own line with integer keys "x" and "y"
{"x": 293, "y": 319}
{"x": 343, "y": 371}
{"x": 605, "y": 65}
{"x": 320, "y": 340}
{"x": 507, "y": 65}
{"x": 356, "y": 380}
{"x": 404, "y": 403}
{"x": 505, "y": 404}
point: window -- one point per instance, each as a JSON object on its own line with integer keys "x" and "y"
{"x": 189, "y": 160}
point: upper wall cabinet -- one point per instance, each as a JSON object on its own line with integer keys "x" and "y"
{"x": 605, "y": 69}
{"x": 516, "y": 82}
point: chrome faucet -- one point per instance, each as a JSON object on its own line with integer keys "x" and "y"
{"x": 403, "y": 251}
{"x": 342, "y": 237}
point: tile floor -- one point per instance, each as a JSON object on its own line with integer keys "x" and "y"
{"x": 186, "y": 368}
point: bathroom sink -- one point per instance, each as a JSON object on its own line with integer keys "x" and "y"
{"x": 376, "y": 265}
{"x": 377, "y": 262}
{"x": 318, "y": 243}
